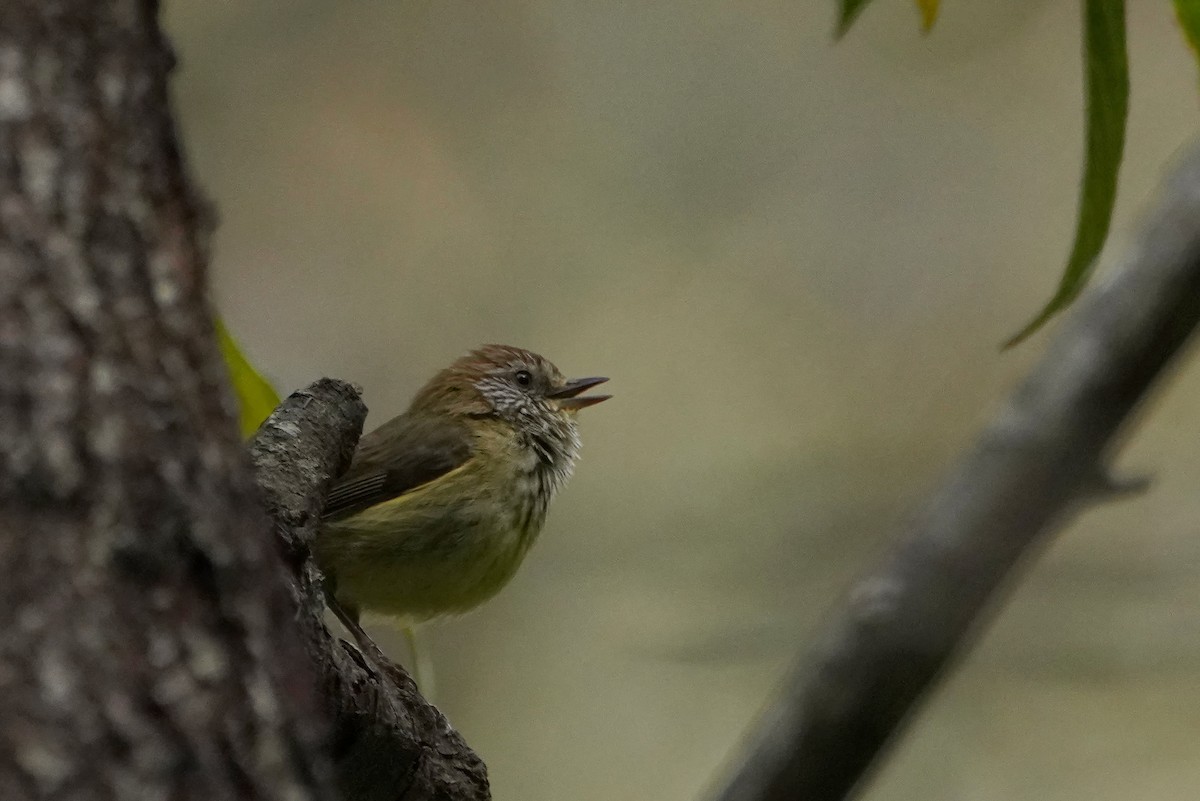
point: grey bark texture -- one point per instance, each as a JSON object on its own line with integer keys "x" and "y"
{"x": 389, "y": 744}
{"x": 155, "y": 645}
{"x": 148, "y": 649}
{"x": 1047, "y": 447}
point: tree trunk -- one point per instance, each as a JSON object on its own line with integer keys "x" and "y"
{"x": 148, "y": 647}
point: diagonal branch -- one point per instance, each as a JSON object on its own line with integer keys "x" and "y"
{"x": 905, "y": 621}
{"x": 389, "y": 743}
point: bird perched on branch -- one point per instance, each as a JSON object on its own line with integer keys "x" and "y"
{"x": 441, "y": 504}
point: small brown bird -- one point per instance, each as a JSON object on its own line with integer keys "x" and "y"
{"x": 441, "y": 504}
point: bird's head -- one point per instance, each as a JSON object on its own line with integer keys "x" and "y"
{"x": 511, "y": 384}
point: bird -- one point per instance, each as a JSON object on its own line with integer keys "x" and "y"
{"x": 441, "y": 504}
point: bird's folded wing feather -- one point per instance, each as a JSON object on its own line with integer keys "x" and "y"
{"x": 395, "y": 458}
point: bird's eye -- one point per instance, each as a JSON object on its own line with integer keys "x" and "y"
{"x": 523, "y": 377}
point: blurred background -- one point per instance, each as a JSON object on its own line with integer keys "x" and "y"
{"x": 796, "y": 259}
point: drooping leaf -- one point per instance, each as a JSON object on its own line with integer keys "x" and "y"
{"x": 848, "y": 11}
{"x": 256, "y": 397}
{"x": 929, "y": 12}
{"x": 1106, "y": 70}
{"x": 1188, "y": 14}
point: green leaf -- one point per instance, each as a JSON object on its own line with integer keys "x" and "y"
{"x": 848, "y": 11}
{"x": 929, "y": 12}
{"x": 1106, "y": 68}
{"x": 256, "y": 397}
{"x": 1188, "y": 14}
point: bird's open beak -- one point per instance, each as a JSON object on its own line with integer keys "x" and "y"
{"x": 568, "y": 394}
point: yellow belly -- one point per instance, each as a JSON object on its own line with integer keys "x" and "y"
{"x": 431, "y": 552}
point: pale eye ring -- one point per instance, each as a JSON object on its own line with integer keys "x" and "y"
{"x": 523, "y": 377}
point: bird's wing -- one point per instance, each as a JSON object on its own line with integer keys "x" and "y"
{"x": 397, "y": 457}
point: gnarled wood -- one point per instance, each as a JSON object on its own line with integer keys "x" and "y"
{"x": 389, "y": 743}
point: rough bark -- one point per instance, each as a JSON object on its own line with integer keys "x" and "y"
{"x": 151, "y": 646}
{"x": 1048, "y": 447}
{"x": 148, "y": 648}
{"x": 389, "y": 744}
